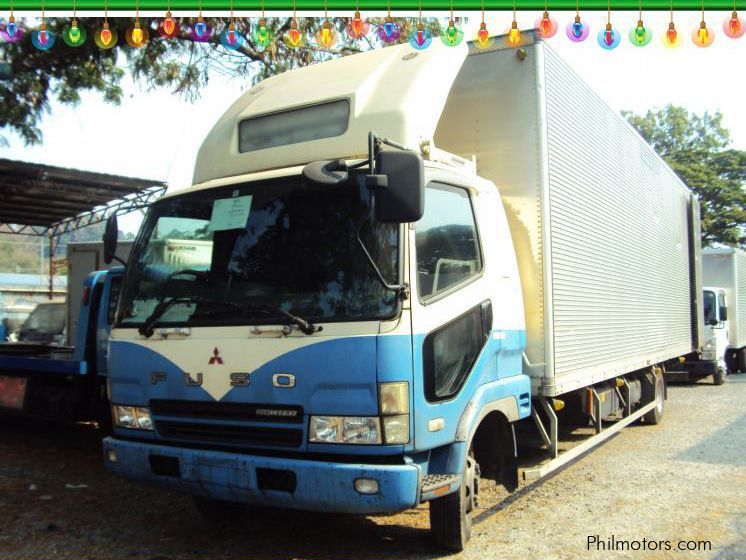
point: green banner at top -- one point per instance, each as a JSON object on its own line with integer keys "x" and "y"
{"x": 286, "y": 6}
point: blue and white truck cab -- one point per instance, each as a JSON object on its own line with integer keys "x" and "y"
{"x": 361, "y": 319}
{"x": 65, "y": 381}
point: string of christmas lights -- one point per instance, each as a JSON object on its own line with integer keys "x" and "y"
{"x": 357, "y": 28}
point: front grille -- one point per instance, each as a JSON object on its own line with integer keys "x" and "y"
{"x": 226, "y": 434}
{"x": 250, "y": 412}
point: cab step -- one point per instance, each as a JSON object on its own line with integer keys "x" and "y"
{"x": 437, "y": 485}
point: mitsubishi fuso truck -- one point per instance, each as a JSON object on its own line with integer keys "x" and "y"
{"x": 416, "y": 265}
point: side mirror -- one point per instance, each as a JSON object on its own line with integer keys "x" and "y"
{"x": 723, "y": 313}
{"x": 401, "y": 199}
{"x": 111, "y": 236}
{"x": 713, "y": 322}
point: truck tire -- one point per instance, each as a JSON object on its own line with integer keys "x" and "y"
{"x": 451, "y": 515}
{"x": 656, "y": 415}
{"x": 219, "y": 512}
{"x": 718, "y": 378}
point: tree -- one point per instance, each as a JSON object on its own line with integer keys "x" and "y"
{"x": 29, "y": 78}
{"x": 697, "y": 149}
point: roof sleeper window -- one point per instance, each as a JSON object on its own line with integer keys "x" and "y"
{"x": 315, "y": 122}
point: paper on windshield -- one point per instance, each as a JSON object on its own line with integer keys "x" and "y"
{"x": 230, "y": 213}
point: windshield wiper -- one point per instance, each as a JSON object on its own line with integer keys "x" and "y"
{"x": 146, "y": 329}
{"x": 305, "y": 326}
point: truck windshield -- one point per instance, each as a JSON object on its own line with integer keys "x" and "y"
{"x": 709, "y": 305}
{"x": 283, "y": 245}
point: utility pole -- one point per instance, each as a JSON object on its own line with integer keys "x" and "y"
{"x": 51, "y": 266}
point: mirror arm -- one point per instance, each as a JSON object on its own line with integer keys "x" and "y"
{"x": 402, "y": 290}
{"x": 119, "y": 259}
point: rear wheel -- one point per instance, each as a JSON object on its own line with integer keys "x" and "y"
{"x": 656, "y": 415}
{"x": 718, "y": 378}
{"x": 451, "y": 516}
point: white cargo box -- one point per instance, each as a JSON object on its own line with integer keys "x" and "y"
{"x": 606, "y": 235}
{"x": 726, "y": 268}
{"x": 83, "y": 257}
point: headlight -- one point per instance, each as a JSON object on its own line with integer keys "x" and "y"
{"x": 133, "y": 417}
{"x": 345, "y": 429}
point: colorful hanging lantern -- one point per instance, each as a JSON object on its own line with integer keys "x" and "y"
{"x": 294, "y": 37}
{"x": 43, "y": 39}
{"x": 514, "y": 34}
{"x": 483, "y": 36}
{"x": 11, "y": 32}
{"x": 326, "y": 37}
{"x": 640, "y": 35}
{"x": 734, "y": 26}
{"x": 671, "y": 38}
{"x": 136, "y": 36}
{"x": 105, "y": 38}
{"x": 452, "y": 35}
{"x": 390, "y": 31}
{"x": 703, "y": 36}
{"x": 357, "y": 27}
{"x": 168, "y": 28}
{"x": 74, "y": 36}
{"x": 230, "y": 38}
{"x": 262, "y": 35}
{"x": 420, "y": 38}
{"x": 201, "y": 32}
{"x": 578, "y": 30}
{"x": 546, "y": 26}
{"x": 609, "y": 38}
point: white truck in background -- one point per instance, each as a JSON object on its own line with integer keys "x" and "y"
{"x": 724, "y": 276}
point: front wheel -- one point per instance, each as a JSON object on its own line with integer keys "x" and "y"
{"x": 656, "y": 415}
{"x": 718, "y": 378}
{"x": 451, "y": 516}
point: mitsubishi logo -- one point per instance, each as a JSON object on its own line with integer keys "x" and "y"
{"x": 215, "y": 359}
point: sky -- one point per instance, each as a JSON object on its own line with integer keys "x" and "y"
{"x": 628, "y": 78}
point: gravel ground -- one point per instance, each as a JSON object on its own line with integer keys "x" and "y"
{"x": 682, "y": 480}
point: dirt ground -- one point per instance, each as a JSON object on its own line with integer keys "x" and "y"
{"x": 684, "y": 480}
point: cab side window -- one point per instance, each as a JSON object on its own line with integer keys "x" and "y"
{"x": 447, "y": 241}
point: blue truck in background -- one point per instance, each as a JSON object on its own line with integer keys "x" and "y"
{"x": 416, "y": 271}
{"x": 62, "y": 375}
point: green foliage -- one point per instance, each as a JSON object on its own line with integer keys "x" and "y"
{"x": 31, "y": 78}
{"x": 696, "y": 148}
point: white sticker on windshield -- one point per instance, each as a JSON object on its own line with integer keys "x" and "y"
{"x": 230, "y": 213}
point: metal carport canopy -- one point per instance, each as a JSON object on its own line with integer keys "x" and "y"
{"x": 47, "y": 201}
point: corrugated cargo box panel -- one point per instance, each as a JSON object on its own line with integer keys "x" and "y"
{"x": 619, "y": 238}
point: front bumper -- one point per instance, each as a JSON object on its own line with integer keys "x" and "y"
{"x": 318, "y": 485}
{"x": 692, "y": 370}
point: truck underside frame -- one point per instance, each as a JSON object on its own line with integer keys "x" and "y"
{"x": 549, "y": 431}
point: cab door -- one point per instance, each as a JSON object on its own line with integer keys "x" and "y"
{"x": 452, "y": 310}
{"x": 722, "y": 334}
